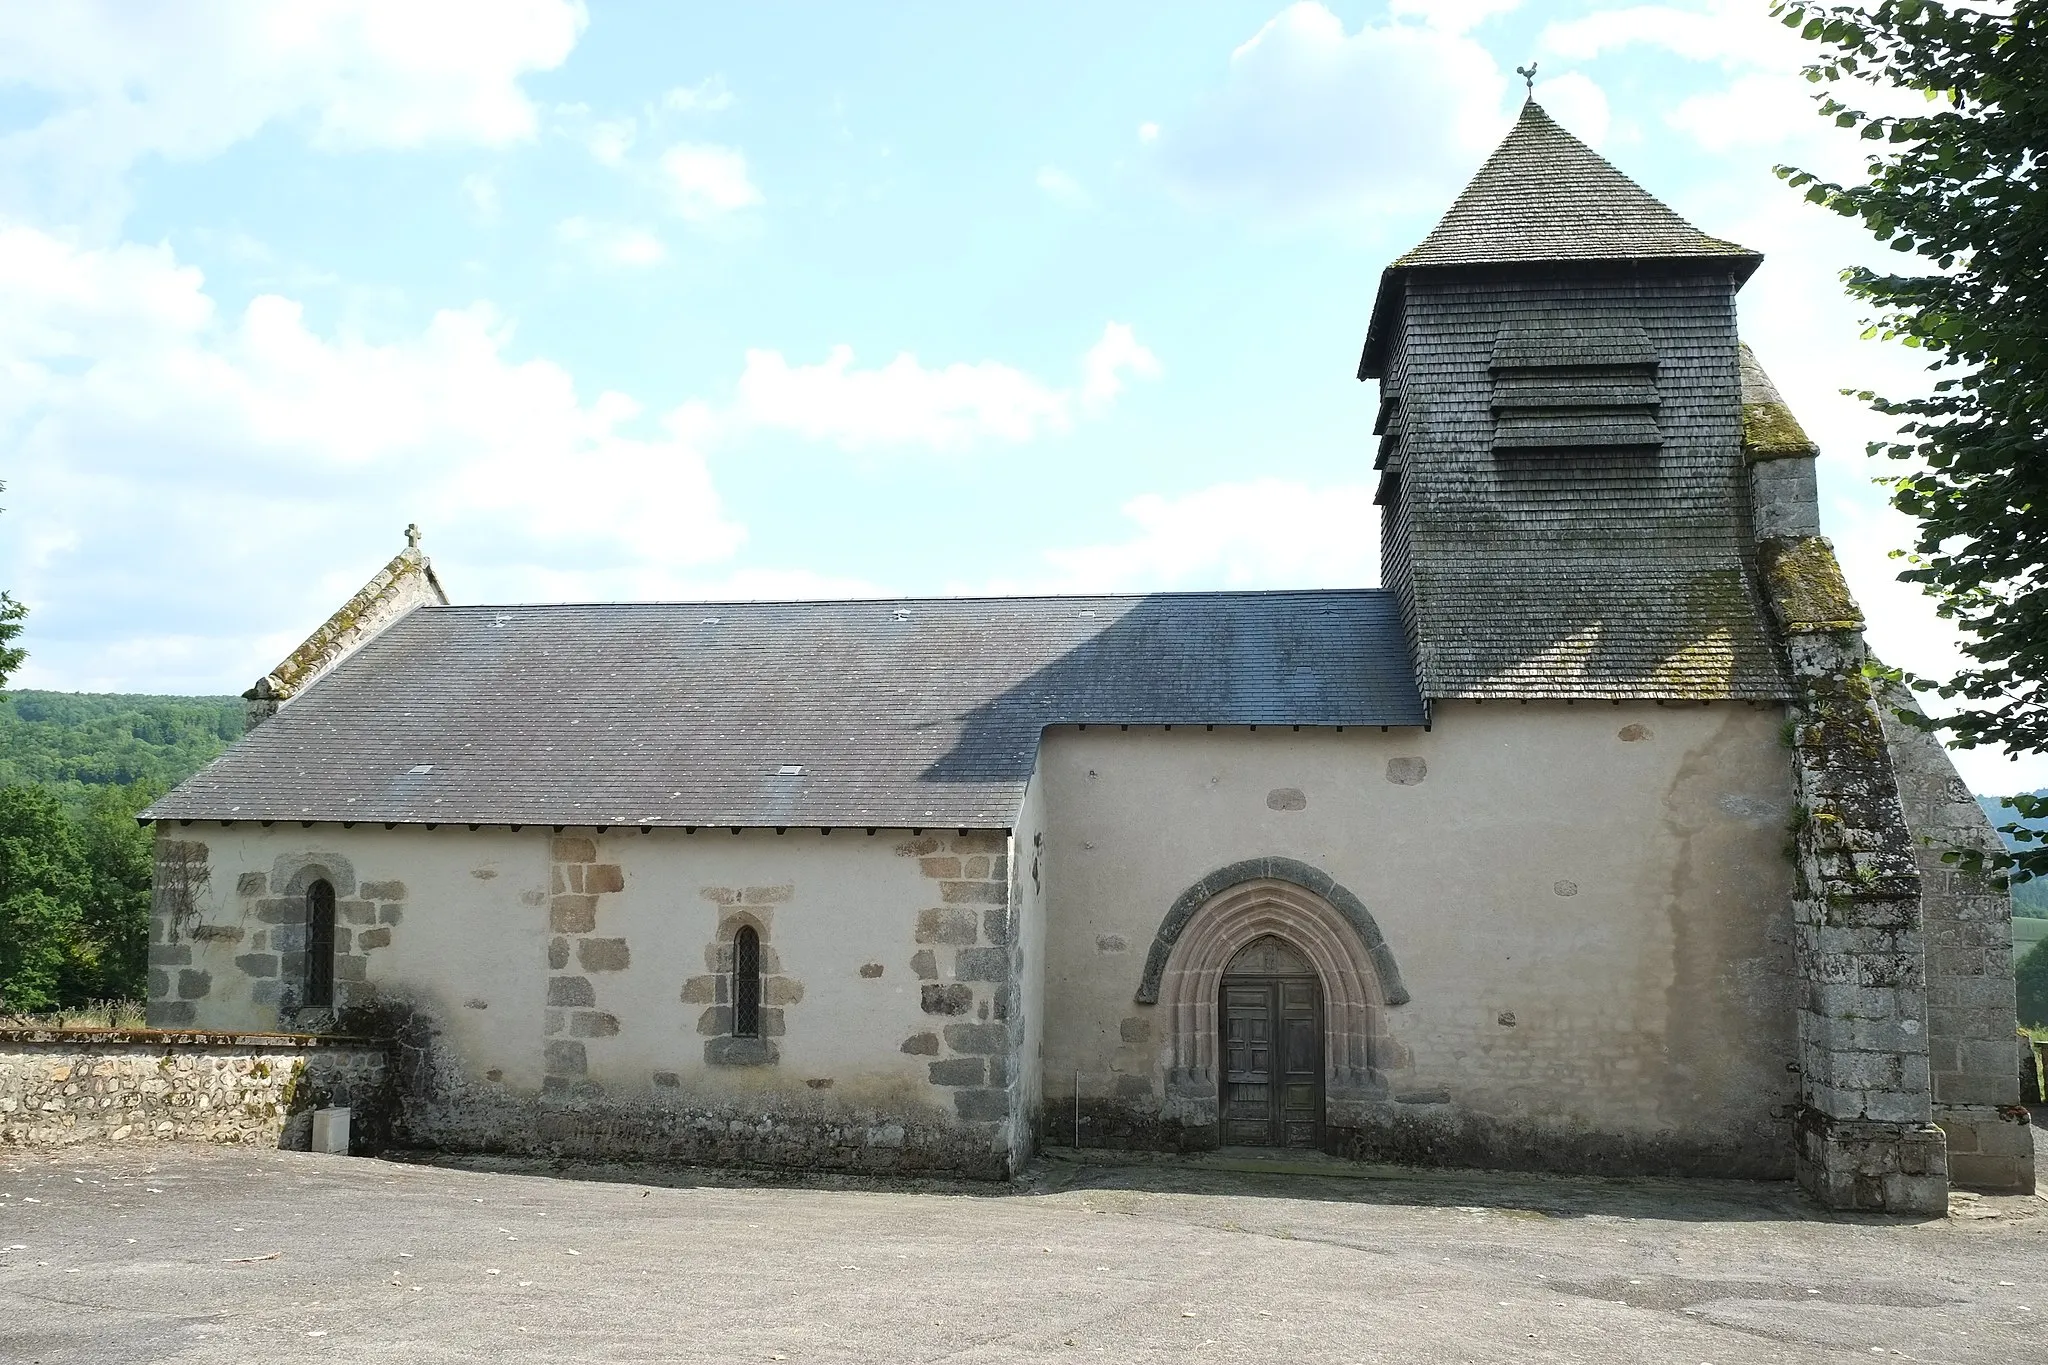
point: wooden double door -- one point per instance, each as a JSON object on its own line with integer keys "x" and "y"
{"x": 1272, "y": 1060}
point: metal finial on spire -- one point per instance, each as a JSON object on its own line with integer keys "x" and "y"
{"x": 412, "y": 536}
{"x": 1528, "y": 75}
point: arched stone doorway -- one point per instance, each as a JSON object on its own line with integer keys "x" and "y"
{"x": 1272, "y": 1020}
{"x": 1322, "y": 927}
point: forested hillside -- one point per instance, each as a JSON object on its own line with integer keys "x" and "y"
{"x": 2028, "y": 898}
{"x": 74, "y": 866}
{"x": 71, "y": 742}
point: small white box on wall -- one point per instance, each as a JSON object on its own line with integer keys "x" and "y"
{"x": 330, "y": 1131}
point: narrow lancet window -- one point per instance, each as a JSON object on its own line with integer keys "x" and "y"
{"x": 320, "y": 945}
{"x": 746, "y": 983}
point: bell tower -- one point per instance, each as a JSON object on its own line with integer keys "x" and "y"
{"x": 1562, "y": 484}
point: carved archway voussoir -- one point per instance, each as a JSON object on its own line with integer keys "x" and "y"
{"x": 1281, "y": 875}
{"x": 1200, "y": 938}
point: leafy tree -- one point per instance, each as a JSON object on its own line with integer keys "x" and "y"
{"x": 76, "y": 742}
{"x": 43, "y": 887}
{"x": 2032, "y": 979}
{"x": 74, "y": 866}
{"x": 11, "y": 655}
{"x": 114, "y": 914}
{"x": 1957, "y": 189}
{"x": 11, "y": 614}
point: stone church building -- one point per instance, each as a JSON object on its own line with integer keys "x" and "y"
{"x": 1587, "y": 842}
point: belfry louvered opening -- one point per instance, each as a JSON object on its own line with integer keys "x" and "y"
{"x": 1567, "y": 382}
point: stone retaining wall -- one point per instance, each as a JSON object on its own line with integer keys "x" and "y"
{"x": 59, "y": 1087}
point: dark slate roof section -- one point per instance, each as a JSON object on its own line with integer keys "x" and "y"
{"x": 884, "y": 713}
{"x": 1546, "y": 197}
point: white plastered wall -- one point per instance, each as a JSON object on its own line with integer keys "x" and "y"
{"x": 470, "y": 948}
{"x": 1028, "y": 921}
{"x": 1587, "y": 903}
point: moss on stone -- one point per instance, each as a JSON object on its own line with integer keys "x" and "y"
{"x": 320, "y": 649}
{"x": 1770, "y": 432}
{"x": 1808, "y": 592}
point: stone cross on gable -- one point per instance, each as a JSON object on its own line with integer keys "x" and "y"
{"x": 412, "y": 536}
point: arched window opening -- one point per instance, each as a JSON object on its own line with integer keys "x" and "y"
{"x": 320, "y": 945}
{"x": 746, "y": 983}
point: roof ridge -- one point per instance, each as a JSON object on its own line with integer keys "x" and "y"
{"x": 711, "y": 603}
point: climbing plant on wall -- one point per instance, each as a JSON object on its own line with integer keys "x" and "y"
{"x": 1957, "y": 189}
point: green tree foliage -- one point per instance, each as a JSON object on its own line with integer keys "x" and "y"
{"x": 2031, "y": 976}
{"x": 1958, "y": 190}
{"x": 11, "y": 654}
{"x": 44, "y": 884}
{"x": 2029, "y": 898}
{"x": 77, "y": 742}
{"x": 11, "y": 614}
{"x": 74, "y": 866}
{"x": 114, "y": 914}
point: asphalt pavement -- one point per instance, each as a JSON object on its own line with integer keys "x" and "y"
{"x": 198, "y": 1254}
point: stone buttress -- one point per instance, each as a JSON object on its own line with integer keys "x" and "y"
{"x": 1906, "y": 1012}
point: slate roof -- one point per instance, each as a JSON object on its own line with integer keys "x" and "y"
{"x": 899, "y": 713}
{"x": 1546, "y": 197}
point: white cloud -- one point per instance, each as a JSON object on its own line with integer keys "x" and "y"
{"x": 612, "y": 244}
{"x": 1766, "y": 102}
{"x": 1730, "y": 31}
{"x": 1268, "y": 533}
{"x": 706, "y": 181}
{"x": 1103, "y": 368}
{"x": 1577, "y": 103}
{"x": 905, "y": 404}
{"x": 1057, "y": 184}
{"x": 203, "y": 472}
{"x": 610, "y": 140}
{"x": 1312, "y": 119}
{"x": 1148, "y": 132}
{"x": 1457, "y": 16}
{"x": 1755, "y": 110}
{"x": 708, "y": 96}
{"x": 482, "y": 193}
{"x": 186, "y": 82}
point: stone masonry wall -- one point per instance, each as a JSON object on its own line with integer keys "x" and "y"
{"x": 751, "y": 907}
{"x": 1864, "y": 1133}
{"x": 567, "y": 994}
{"x": 1970, "y": 999}
{"x": 264, "y": 926}
{"x": 967, "y": 969}
{"x": 59, "y": 1087}
{"x": 579, "y": 958}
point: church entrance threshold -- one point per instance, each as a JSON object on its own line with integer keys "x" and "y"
{"x": 1272, "y": 1020}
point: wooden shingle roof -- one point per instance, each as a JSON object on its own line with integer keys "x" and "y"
{"x": 1545, "y": 198}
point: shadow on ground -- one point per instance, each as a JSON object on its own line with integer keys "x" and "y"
{"x": 1251, "y": 1172}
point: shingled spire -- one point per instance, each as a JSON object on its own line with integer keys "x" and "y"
{"x": 1545, "y": 196}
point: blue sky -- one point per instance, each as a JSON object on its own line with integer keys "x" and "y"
{"x": 658, "y": 301}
